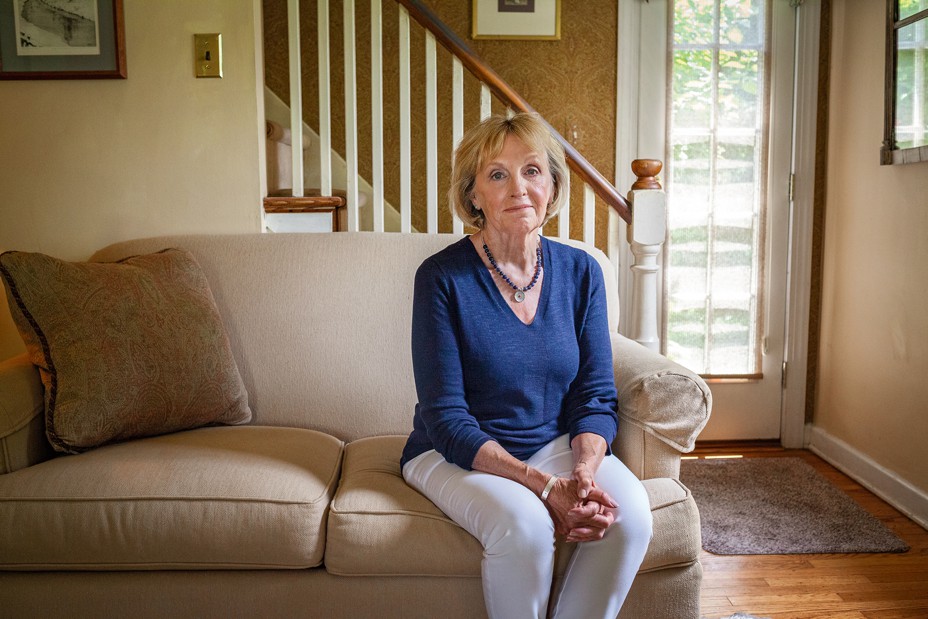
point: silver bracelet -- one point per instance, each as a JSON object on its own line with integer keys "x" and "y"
{"x": 548, "y": 487}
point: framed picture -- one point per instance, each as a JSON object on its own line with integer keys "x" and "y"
{"x": 516, "y": 19}
{"x": 62, "y": 39}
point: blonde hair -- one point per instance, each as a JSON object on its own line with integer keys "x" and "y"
{"x": 484, "y": 142}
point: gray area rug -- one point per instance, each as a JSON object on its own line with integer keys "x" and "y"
{"x": 759, "y": 506}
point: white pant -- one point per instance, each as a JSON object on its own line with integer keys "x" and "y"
{"x": 517, "y": 535}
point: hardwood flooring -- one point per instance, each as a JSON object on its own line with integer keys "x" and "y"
{"x": 844, "y": 586}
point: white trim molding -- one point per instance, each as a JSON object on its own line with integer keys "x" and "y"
{"x": 799, "y": 269}
{"x": 628, "y": 30}
{"x": 881, "y": 481}
{"x": 637, "y": 136}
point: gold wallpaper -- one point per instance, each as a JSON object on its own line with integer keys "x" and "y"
{"x": 571, "y": 82}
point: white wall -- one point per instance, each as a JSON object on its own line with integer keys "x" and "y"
{"x": 873, "y": 365}
{"x": 84, "y": 163}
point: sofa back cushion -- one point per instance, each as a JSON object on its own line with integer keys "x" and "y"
{"x": 320, "y": 323}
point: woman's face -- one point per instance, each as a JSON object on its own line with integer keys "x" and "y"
{"x": 513, "y": 189}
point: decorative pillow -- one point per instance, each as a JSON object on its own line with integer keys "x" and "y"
{"x": 125, "y": 349}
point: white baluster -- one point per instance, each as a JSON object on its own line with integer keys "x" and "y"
{"x": 486, "y": 101}
{"x": 589, "y": 214}
{"x": 296, "y": 96}
{"x": 377, "y": 113}
{"x": 431, "y": 133}
{"x": 351, "y": 117}
{"x": 646, "y": 236}
{"x": 405, "y": 126}
{"x": 325, "y": 111}
{"x": 457, "y": 123}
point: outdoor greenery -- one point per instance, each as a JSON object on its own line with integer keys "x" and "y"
{"x": 714, "y": 184}
{"x": 907, "y": 8}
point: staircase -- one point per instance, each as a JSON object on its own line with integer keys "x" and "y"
{"x": 401, "y": 151}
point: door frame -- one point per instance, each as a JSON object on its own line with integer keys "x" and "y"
{"x": 799, "y": 270}
{"x": 633, "y": 77}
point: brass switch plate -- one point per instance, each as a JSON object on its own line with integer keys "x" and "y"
{"x": 207, "y": 55}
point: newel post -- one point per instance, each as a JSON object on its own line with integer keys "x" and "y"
{"x": 646, "y": 237}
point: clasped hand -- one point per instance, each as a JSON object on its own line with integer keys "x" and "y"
{"x": 581, "y": 511}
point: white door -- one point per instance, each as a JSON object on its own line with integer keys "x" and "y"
{"x": 722, "y": 72}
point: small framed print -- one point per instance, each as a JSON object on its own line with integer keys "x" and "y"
{"x": 516, "y": 19}
{"x": 62, "y": 39}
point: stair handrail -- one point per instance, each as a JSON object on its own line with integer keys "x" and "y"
{"x": 499, "y": 87}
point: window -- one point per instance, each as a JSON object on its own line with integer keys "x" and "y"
{"x": 905, "y": 139}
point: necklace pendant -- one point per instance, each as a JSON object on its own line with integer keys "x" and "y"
{"x": 519, "y": 296}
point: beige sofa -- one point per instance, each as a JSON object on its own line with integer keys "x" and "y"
{"x": 302, "y": 513}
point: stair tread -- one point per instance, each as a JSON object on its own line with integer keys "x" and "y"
{"x": 303, "y": 204}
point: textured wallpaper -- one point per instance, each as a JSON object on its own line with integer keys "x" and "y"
{"x": 571, "y": 82}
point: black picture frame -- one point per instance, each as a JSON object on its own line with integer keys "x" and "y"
{"x": 108, "y": 63}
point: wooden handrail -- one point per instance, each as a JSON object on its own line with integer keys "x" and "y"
{"x": 498, "y": 86}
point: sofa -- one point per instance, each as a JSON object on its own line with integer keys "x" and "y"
{"x": 302, "y": 511}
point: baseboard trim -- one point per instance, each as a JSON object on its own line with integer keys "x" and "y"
{"x": 878, "y": 479}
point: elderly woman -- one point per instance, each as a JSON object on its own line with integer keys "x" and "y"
{"x": 513, "y": 369}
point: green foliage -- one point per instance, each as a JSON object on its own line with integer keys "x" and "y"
{"x": 728, "y": 328}
{"x": 911, "y": 7}
{"x": 717, "y": 90}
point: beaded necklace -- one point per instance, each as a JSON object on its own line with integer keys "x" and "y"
{"x": 519, "y": 294}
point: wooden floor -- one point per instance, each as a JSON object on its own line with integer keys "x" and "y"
{"x": 845, "y": 586}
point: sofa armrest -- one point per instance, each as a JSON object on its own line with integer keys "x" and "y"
{"x": 22, "y": 416}
{"x": 662, "y": 409}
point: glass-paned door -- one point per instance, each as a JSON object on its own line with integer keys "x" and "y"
{"x": 716, "y": 186}
{"x": 727, "y": 145}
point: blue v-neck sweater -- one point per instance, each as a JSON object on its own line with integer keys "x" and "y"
{"x": 483, "y": 375}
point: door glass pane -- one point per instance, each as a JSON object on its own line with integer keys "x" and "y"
{"x": 693, "y": 23}
{"x": 715, "y": 185}
{"x": 741, "y": 22}
{"x": 907, "y": 8}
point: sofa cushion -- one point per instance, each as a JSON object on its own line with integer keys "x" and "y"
{"x": 380, "y": 526}
{"x": 677, "y": 540}
{"x": 321, "y": 307}
{"x": 127, "y": 349}
{"x": 247, "y": 497}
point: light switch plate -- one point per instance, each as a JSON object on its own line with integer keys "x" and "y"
{"x": 207, "y": 55}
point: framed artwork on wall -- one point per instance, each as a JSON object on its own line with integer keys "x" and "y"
{"x": 62, "y": 39}
{"x": 516, "y": 19}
